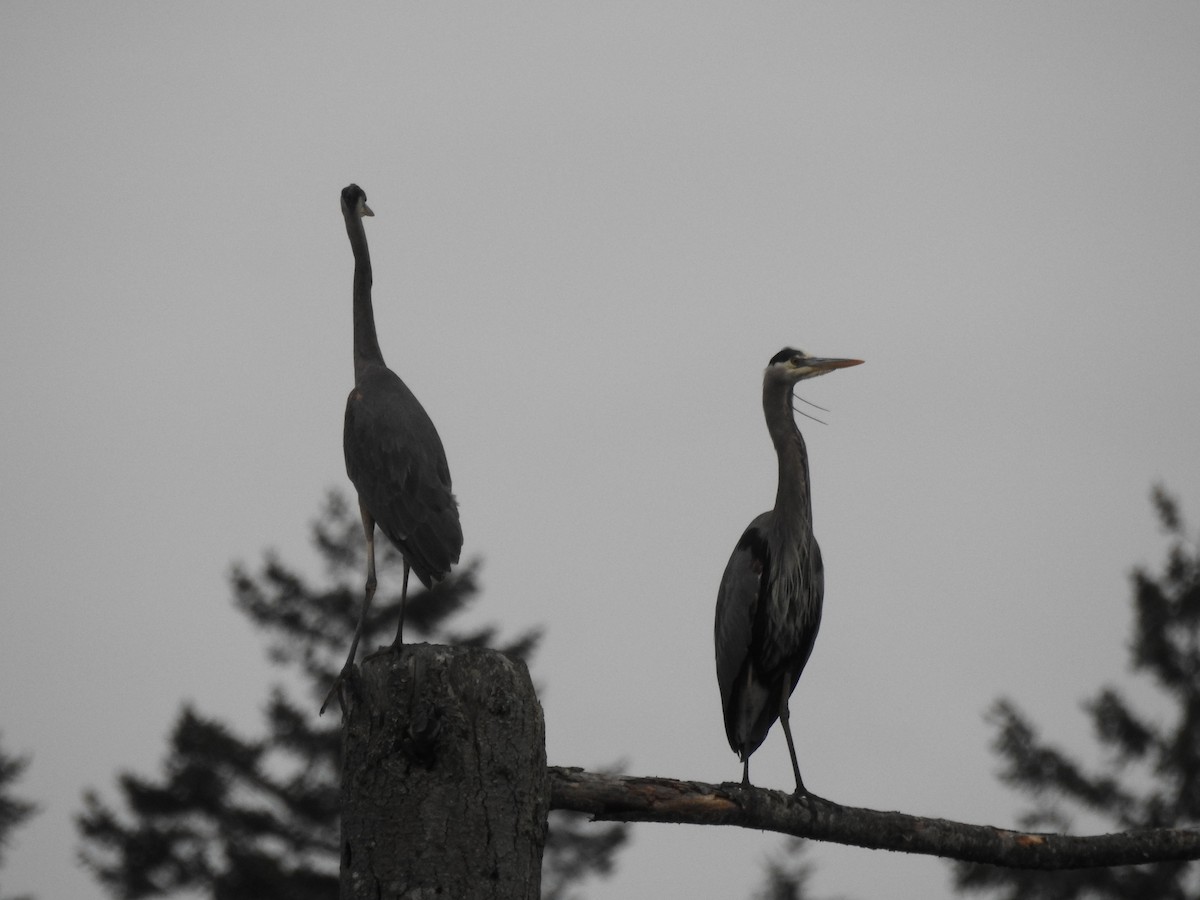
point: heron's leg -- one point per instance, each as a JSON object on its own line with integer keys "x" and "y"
{"x": 368, "y": 589}
{"x": 403, "y": 596}
{"x": 368, "y": 595}
{"x": 784, "y": 717}
{"x": 746, "y": 772}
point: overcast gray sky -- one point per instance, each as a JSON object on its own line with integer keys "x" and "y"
{"x": 594, "y": 226}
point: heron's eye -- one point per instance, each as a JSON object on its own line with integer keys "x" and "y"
{"x": 797, "y": 361}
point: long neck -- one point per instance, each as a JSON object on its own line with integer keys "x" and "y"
{"x": 366, "y": 343}
{"x": 793, "y": 506}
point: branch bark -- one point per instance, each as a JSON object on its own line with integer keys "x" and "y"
{"x": 613, "y": 798}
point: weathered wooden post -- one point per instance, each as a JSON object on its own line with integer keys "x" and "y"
{"x": 444, "y": 786}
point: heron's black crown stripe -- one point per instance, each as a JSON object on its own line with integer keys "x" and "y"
{"x": 785, "y": 354}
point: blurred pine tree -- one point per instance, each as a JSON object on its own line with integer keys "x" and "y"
{"x": 257, "y": 819}
{"x": 1149, "y": 776}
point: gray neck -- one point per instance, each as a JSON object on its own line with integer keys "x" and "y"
{"x": 793, "y": 506}
{"x": 366, "y": 342}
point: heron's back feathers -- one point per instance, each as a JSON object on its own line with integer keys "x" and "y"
{"x": 396, "y": 461}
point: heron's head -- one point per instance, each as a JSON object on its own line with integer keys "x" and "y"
{"x": 792, "y": 365}
{"x": 354, "y": 199}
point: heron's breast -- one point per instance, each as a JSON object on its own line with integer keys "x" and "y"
{"x": 793, "y": 607}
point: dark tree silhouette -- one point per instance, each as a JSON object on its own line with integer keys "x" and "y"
{"x": 1150, "y": 773}
{"x": 13, "y": 810}
{"x": 787, "y": 873}
{"x": 235, "y": 818}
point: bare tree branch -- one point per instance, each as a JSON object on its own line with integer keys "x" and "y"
{"x": 629, "y": 799}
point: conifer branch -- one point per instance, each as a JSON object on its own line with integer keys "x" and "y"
{"x": 618, "y": 798}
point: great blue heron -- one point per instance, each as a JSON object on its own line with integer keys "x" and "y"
{"x": 769, "y": 603}
{"x": 394, "y": 456}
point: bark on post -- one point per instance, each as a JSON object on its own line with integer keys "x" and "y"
{"x": 444, "y": 788}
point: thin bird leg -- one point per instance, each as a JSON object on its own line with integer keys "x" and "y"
{"x": 801, "y": 790}
{"x": 368, "y": 595}
{"x": 403, "y": 596}
{"x": 746, "y": 772}
{"x": 399, "y": 641}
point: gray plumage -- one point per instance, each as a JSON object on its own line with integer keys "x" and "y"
{"x": 396, "y": 462}
{"x": 770, "y": 599}
{"x": 394, "y": 456}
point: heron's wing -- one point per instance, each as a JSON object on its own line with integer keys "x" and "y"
{"x": 737, "y": 606}
{"x": 396, "y": 461}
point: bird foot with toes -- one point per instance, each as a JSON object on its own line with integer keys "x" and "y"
{"x": 345, "y": 678}
{"x": 384, "y": 649}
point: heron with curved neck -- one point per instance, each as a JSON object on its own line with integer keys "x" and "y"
{"x": 770, "y": 598}
{"x": 394, "y": 456}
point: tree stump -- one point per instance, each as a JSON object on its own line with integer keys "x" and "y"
{"x": 444, "y": 786}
